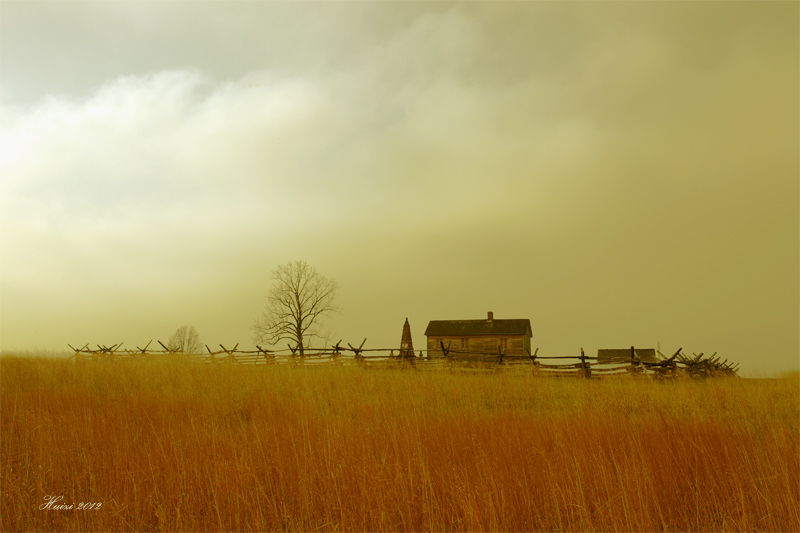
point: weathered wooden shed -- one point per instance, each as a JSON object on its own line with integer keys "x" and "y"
{"x": 474, "y": 337}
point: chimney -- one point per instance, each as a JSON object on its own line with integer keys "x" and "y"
{"x": 490, "y": 316}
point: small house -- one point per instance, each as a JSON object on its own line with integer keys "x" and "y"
{"x": 474, "y": 337}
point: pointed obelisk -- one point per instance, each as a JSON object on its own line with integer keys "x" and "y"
{"x": 406, "y": 346}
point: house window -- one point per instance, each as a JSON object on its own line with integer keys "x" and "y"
{"x": 464, "y": 343}
{"x": 503, "y": 344}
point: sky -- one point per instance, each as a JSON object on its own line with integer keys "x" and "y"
{"x": 619, "y": 173}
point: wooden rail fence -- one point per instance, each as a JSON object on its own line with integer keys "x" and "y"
{"x": 583, "y": 366}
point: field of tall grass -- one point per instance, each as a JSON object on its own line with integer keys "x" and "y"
{"x": 165, "y": 446}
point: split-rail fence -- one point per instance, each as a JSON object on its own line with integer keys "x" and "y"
{"x": 580, "y": 366}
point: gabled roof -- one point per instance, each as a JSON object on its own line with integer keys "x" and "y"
{"x": 520, "y": 326}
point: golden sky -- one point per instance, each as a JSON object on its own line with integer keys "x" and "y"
{"x": 620, "y": 173}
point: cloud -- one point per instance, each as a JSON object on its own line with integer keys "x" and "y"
{"x": 570, "y": 164}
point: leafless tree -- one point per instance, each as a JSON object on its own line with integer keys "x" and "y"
{"x": 185, "y": 340}
{"x": 300, "y": 297}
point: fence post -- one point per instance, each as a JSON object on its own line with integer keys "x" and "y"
{"x": 268, "y": 359}
{"x": 586, "y": 371}
{"x": 293, "y": 358}
{"x": 78, "y": 351}
{"x": 231, "y": 358}
{"x": 635, "y": 369}
{"x": 358, "y": 357}
{"x": 211, "y": 354}
{"x": 445, "y": 351}
{"x": 336, "y": 354}
{"x": 144, "y": 350}
{"x": 534, "y": 362}
{"x": 448, "y": 359}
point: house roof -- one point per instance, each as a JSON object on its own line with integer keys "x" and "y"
{"x": 466, "y": 328}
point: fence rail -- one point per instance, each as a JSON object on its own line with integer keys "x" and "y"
{"x": 583, "y": 366}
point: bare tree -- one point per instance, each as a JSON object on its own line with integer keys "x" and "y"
{"x": 299, "y": 299}
{"x": 185, "y": 340}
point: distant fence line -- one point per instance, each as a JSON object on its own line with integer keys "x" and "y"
{"x": 678, "y": 365}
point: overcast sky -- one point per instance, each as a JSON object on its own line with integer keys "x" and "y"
{"x": 619, "y": 173}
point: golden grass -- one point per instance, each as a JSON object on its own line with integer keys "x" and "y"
{"x": 192, "y": 447}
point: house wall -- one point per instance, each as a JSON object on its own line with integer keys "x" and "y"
{"x": 515, "y": 344}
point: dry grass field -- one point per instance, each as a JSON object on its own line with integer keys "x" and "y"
{"x": 193, "y": 447}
